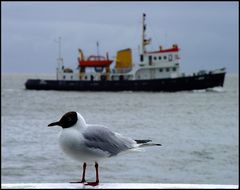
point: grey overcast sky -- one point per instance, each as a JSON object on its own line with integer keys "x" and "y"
{"x": 206, "y": 32}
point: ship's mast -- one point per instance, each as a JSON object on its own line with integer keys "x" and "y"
{"x": 144, "y": 41}
{"x": 143, "y": 33}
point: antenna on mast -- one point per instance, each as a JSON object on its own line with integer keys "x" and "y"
{"x": 97, "y": 50}
{"x": 60, "y": 66}
{"x": 59, "y": 47}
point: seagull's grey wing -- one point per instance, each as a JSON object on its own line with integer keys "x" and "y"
{"x": 98, "y": 137}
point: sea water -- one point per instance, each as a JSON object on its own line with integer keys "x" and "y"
{"x": 198, "y": 131}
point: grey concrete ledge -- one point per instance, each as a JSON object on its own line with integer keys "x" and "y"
{"x": 114, "y": 186}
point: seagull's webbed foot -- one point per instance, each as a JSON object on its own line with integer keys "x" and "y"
{"x": 83, "y": 181}
{"x": 92, "y": 183}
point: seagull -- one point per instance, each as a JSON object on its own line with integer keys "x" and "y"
{"x": 90, "y": 143}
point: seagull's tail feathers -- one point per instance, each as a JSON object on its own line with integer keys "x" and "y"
{"x": 143, "y": 143}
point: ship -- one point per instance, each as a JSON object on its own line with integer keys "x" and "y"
{"x": 157, "y": 71}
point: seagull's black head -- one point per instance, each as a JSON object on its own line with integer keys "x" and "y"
{"x": 68, "y": 120}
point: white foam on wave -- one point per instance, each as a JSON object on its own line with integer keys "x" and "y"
{"x": 216, "y": 89}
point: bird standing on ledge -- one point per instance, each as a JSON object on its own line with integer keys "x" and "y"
{"x": 89, "y": 143}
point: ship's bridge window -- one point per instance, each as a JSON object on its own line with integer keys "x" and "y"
{"x": 121, "y": 77}
{"x": 167, "y": 69}
{"x": 160, "y": 70}
{"x": 165, "y": 57}
{"x": 174, "y": 68}
{"x": 159, "y": 57}
{"x": 150, "y": 59}
{"x": 155, "y": 58}
{"x": 170, "y": 57}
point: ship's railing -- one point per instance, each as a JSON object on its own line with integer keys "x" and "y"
{"x": 222, "y": 70}
{"x": 121, "y": 70}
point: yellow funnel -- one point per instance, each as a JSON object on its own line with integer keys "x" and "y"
{"x": 124, "y": 59}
